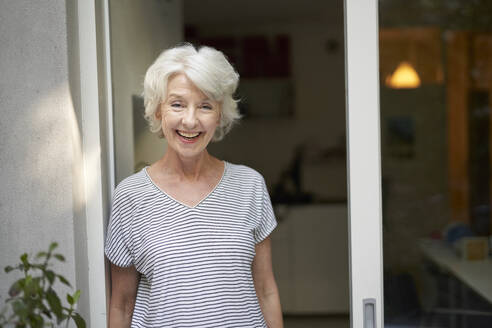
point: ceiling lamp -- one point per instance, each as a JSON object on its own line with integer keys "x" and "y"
{"x": 404, "y": 77}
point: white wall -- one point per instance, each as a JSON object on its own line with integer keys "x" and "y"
{"x": 140, "y": 30}
{"x": 319, "y": 98}
{"x": 310, "y": 259}
{"x": 38, "y": 133}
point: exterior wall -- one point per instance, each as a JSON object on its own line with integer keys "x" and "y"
{"x": 44, "y": 143}
{"x": 38, "y": 134}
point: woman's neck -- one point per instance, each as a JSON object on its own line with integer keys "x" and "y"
{"x": 190, "y": 169}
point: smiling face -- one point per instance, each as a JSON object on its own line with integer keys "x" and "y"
{"x": 188, "y": 117}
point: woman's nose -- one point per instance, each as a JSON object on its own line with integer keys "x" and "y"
{"x": 190, "y": 118}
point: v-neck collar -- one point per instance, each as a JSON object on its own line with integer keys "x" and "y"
{"x": 226, "y": 164}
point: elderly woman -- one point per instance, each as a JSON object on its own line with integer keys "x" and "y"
{"x": 188, "y": 239}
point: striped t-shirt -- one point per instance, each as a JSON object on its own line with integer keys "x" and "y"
{"x": 195, "y": 262}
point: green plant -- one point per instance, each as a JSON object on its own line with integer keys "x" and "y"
{"x": 32, "y": 301}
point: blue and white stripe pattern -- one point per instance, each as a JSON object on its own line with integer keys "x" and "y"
{"x": 195, "y": 262}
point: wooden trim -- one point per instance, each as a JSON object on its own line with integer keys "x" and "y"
{"x": 410, "y": 33}
{"x": 458, "y": 139}
{"x": 490, "y": 135}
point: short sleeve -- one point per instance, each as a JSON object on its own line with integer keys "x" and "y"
{"x": 267, "y": 222}
{"x": 117, "y": 248}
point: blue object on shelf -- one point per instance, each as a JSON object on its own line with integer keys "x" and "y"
{"x": 455, "y": 231}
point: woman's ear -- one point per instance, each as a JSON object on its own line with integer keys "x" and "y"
{"x": 158, "y": 113}
{"x": 220, "y": 114}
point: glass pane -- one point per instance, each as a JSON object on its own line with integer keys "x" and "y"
{"x": 436, "y": 93}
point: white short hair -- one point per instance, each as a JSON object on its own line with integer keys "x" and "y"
{"x": 207, "y": 68}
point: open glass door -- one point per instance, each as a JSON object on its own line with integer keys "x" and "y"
{"x": 435, "y": 95}
{"x": 419, "y": 164}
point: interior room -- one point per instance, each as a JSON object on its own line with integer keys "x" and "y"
{"x": 291, "y": 61}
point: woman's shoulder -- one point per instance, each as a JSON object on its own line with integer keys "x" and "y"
{"x": 244, "y": 172}
{"x": 135, "y": 184}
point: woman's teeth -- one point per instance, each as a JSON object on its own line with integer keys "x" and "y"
{"x": 188, "y": 134}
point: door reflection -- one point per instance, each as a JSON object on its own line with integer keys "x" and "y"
{"x": 436, "y": 163}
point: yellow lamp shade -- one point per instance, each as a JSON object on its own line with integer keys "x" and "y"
{"x": 404, "y": 77}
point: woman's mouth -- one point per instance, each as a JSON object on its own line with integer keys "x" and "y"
{"x": 188, "y": 136}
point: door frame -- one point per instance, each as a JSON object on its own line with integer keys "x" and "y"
{"x": 363, "y": 154}
{"x": 90, "y": 64}
{"x": 363, "y": 160}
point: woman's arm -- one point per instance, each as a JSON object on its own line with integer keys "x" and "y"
{"x": 265, "y": 286}
{"x": 124, "y": 283}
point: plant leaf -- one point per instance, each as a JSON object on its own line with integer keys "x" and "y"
{"x": 8, "y": 268}
{"x": 41, "y": 254}
{"x": 36, "y": 321}
{"x": 15, "y": 289}
{"x": 76, "y": 296}
{"x": 54, "y": 302}
{"x": 25, "y": 262}
{"x": 59, "y": 257}
{"x": 38, "y": 266}
{"x": 64, "y": 280}
{"x": 34, "y": 289}
{"x": 20, "y": 309}
{"x": 47, "y": 313}
{"x": 70, "y": 299}
{"x": 53, "y": 245}
{"x": 62, "y": 318}
{"x": 50, "y": 275}
{"x": 79, "y": 321}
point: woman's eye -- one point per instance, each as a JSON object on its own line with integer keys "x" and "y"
{"x": 207, "y": 107}
{"x": 176, "y": 105}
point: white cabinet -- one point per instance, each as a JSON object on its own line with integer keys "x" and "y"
{"x": 310, "y": 259}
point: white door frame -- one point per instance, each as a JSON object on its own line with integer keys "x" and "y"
{"x": 363, "y": 159}
{"x": 363, "y": 155}
{"x": 97, "y": 164}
